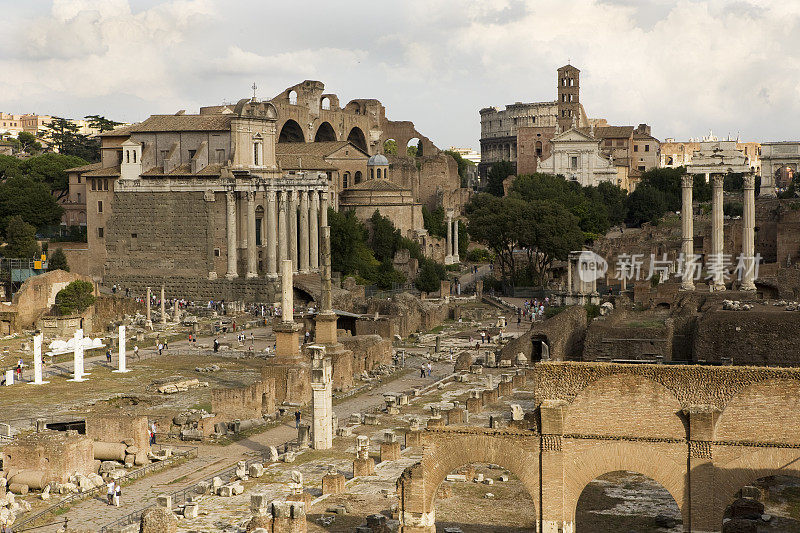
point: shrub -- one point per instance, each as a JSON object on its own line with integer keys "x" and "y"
{"x": 75, "y": 297}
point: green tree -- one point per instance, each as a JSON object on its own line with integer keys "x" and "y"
{"x": 384, "y": 238}
{"x": 75, "y": 297}
{"x": 9, "y": 167}
{"x": 463, "y": 165}
{"x": 57, "y": 261}
{"x": 63, "y": 135}
{"x": 463, "y": 239}
{"x": 29, "y": 143}
{"x": 52, "y": 170}
{"x": 645, "y": 204}
{"x": 429, "y": 276}
{"x": 548, "y": 232}
{"x": 497, "y": 173}
{"x": 101, "y": 122}
{"x": 390, "y": 147}
{"x": 614, "y": 199}
{"x": 29, "y": 200}
{"x": 411, "y": 150}
{"x": 496, "y": 222}
{"x": 434, "y": 222}
{"x": 20, "y": 239}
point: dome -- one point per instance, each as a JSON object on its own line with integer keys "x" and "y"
{"x": 377, "y": 159}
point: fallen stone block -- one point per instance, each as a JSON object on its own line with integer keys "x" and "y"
{"x": 256, "y": 470}
{"x": 191, "y": 510}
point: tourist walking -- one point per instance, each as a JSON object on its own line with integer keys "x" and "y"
{"x": 153, "y": 434}
{"x": 422, "y": 371}
{"x": 430, "y": 369}
{"x": 110, "y": 487}
{"x": 117, "y": 493}
{"x": 108, "y": 356}
{"x": 136, "y": 351}
{"x": 297, "y": 416}
{"x": 216, "y": 345}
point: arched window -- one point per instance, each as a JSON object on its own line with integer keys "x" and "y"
{"x": 127, "y": 156}
{"x": 539, "y": 148}
{"x": 379, "y": 173}
{"x": 257, "y": 154}
{"x": 358, "y": 176}
{"x": 326, "y": 103}
{"x": 372, "y": 173}
{"x": 134, "y": 156}
{"x": 345, "y": 180}
{"x": 293, "y": 97}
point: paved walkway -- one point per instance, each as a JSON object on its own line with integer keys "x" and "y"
{"x": 95, "y": 513}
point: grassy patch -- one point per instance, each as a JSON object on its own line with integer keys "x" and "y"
{"x": 652, "y": 323}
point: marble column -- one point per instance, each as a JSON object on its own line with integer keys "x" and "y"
{"x": 456, "y": 259}
{"x": 252, "y": 269}
{"x": 291, "y": 217}
{"x": 122, "y": 351}
{"x": 748, "y": 233}
{"x": 272, "y": 235}
{"x": 717, "y": 224}
{"x": 304, "y": 240}
{"x": 287, "y": 292}
{"x": 149, "y": 322}
{"x": 448, "y": 257}
{"x": 37, "y": 360}
{"x": 323, "y": 211}
{"x": 313, "y": 231}
{"x": 569, "y": 275}
{"x": 283, "y": 232}
{"x": 687, "y": 232}
{"x": 231, "y": 223}
{"x": 326, "y": 318}
{"x": 163, "y": 307}
{"x": 77, "y": 364}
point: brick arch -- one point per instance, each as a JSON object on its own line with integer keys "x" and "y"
{"x": 663, "y": 463}
{"x": 735, "y": 469}
{"x": 447, "y": 449}
{"x": 770, "y": 405}
{"x": 638, "y": 406}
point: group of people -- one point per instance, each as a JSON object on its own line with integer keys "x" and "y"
{"x": 425, "y": 370}
{"x": 114, "y": 492}
{"x": 533, "y": 309}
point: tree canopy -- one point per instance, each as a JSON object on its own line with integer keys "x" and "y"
{"x": 20, "y": 239}
{"x": 497, "y": 173}
{"x": 75, "y": 297}
{"x": 57, "y": 261}
{"x": 64, "y": 136}
{"x": 30, "y": 200}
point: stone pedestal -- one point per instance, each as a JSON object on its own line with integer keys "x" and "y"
{"x": 390, "y": 447}
{"x": 504, "y": 388}
{"x": 322, "y": 398}
{"x": 456, "y": 415}
{"x": 436, "y": 422}
{"x": 474, "y": 405}
{"x": 489, "y": 397}
{"x": 333, "y": 483}
{"x": 363, "y": 467}
{"x": 413, "y": 438}
{"x": 9, "y": 378}
{"x": 326, "y": 328}
{"x": 77, "y": 371}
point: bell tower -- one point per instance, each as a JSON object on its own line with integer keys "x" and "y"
{"x": 568, "y": 97}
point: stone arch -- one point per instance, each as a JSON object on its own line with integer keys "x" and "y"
{"x": 325, "y": 133}
{"x": 325, "y": 103}
{"x": 665, "y": 465}
{"x": 776, "y": 418}
{"x": 416, "y": 143}
{"x": 357, "y": 178}
{"x": 446, "y": 450}
{"x": 292, "y": 97}
{"x": 291, "y": 132}
{"x": 357, "y": 137}
{"x": 640, "y": 407}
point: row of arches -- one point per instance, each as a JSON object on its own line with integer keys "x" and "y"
{"x": 413, "y": 147}
{"x": 292, "y": 132}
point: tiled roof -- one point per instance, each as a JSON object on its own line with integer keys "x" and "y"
{"x": 158, "y": 123}
{"x": 118, "y": 132}
{"x": 616, "y": 132}
{"x": 184, "y": 170}
{"x": 303, "y": 162}
{"x": 376, "y": 185}
{"x": 106, "y": 172}
{"x": 86, "y": 168}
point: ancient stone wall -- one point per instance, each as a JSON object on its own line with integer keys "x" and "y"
{"x": 564, "y": 334}
{"x": 244, "y": 403}
{"x": 369, "y": 351}
{"x": 752, "y": 337}
{"x": 77, "y": 254}
{"x": 118, "y": 428}
{"x": 260, "y": 290}
{"x": 38, "y": 294}
{"x": 632, "y": 337}
{"x": 54, "y": 453}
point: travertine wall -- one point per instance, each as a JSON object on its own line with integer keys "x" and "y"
{"x": 564, "y": 334}
{"x": 119, "y": 427}
{"x": 244, "y": 403}
{"x": 369, "y": 351}
{"x": 55, "y": 453}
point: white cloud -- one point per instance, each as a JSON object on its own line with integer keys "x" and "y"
{"x": 298, "y": 62}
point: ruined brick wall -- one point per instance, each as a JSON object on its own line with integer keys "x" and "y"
{"x": 108, "y": 310}
{"x": 77, "y": 254}
{"x": 260, "y": 290}
{"x": 165, "y": 234}
{"x": 748, "y": 337}
{"x": 369, "y": 351}
{"x": 55, "y": 453}
{"x": 564, "y": 334}
{"x": 118, "y": 428}
{"x": 38, "y": 294}
{"x": 634, "y": 337}
{"x": 409, "y": 313}
{"x": 386, "y": 327}
{"x": 244, "y": 403}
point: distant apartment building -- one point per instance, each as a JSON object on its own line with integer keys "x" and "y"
{"x": 467, "y": 153}
{"x": 676, "y": 154}
{"x": 10, "y": 124}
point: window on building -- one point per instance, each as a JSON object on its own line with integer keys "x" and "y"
{"x": 134, "y": 156}
{"x": 345, "y": 180}
{"x": 100, "y": 206}
{"x": 79, "y": 179}
{"x": 220, "y": 156}
{"x": 127, "y": 156}
{"x": 635, "y": 147}
{"x": 646, "y": 147}
{"x": 105, "y": 184}
{"x": 191, "y": 154}
{"x": 100, "y": 233}
{"x": 119, "y": 157}
{"x": 641, "y": 167}
{"x": 573, "y": 162}
{"x": 216, "y": 252}
{"x": 94, "y": 185}
{"x": 134, "y": 235}
{"x": 539, "y": 148}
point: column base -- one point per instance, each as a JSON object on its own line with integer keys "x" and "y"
{"x": 456, "y": 259}
{"x": 251, "y": 275}
{"x": 272, "y": 275}
{"x": 716, "y": 288}
{"x": 231, "y": 276}
{"x": 212, "y": 275}
{"x": 448, "y": 260}
{"x": 39, "y": 383}
{"x": 121, "y": 371}
{"x": 688, "y": 286}
{"x": 748, "y": 286}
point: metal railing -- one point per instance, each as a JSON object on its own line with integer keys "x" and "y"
{"x": 186, "y": 452}
{"x": 178, "y": 497}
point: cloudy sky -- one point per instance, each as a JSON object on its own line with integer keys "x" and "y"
{"x": 683, "y": 66}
